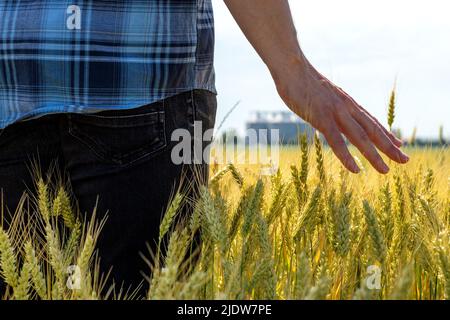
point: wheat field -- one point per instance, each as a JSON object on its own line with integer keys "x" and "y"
{"x": 310, "y": 231}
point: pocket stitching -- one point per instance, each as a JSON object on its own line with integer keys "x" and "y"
{"x": 103, "y": 155}
{"x": 154, "y": 117}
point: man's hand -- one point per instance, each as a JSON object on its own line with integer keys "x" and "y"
{"x": 333, "y": 112}
{"x": 269, "y": 27}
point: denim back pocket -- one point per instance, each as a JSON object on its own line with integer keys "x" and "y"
{"x": 121, "y": 137}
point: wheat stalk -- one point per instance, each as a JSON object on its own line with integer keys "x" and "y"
{"x": 8, "y": 260}
{"x": 391, "y": 108}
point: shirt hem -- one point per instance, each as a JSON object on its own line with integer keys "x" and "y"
{"x": 45, "y": 110}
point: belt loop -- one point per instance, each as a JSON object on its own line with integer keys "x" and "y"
{"x": 191, "y": 107}
{"x": 194, "y": 111}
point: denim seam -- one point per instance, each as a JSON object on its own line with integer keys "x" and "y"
{"x": 87, "y": 141}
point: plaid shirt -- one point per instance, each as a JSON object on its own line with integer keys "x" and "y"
{"x": 92, "y": 55}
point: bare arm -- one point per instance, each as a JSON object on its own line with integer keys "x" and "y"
{"x": 269, "y": 27}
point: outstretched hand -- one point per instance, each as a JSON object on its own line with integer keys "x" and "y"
{"x": 334, "y": 113}
{"x": 269, "y": 27}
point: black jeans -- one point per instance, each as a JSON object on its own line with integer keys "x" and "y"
{"x": 123, "y": 157}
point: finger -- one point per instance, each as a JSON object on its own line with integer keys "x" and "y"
{"x": 359, "y": 138}
{"x": 379, "y": 137}
{"x": 391, "y": 136}
{"x": 339, "y": 147}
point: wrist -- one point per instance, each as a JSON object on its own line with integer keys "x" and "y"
{"x": 288, "y": 67}
{"x": 290, "y": 74}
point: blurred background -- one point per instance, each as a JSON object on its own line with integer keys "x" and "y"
{"x": 363, "y": 46}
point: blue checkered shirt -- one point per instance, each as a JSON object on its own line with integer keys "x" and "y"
{"x": 93, "y": 55}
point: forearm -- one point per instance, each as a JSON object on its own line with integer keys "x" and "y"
{"x": 269, "y": 27}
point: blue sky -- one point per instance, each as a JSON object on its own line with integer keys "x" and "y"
{"x": 363, "y": 46}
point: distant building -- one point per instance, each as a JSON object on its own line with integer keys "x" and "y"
{"x": 288, "y": 124}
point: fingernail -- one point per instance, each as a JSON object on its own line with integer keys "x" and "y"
{"x": 355, "y": 168}
{"x": 384, "y": 168}
{"x": 404, "y": 157}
